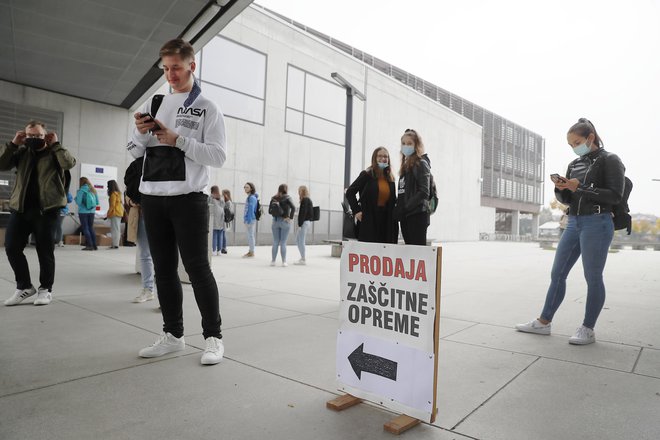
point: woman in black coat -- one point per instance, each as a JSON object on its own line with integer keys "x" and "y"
{"x": 412, "y": 205}
{"x": 375, "y": 209}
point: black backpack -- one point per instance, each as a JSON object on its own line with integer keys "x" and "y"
{"x": 274, "y": 208}
{"x": 229, "y": 214}
{"x": 622, "y": 218}
{"x": 433, "y": 190}
{"x": 258, "y": 211}
{"x": 133, "y": 174}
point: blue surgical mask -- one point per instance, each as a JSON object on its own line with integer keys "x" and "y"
{"x": 383, "y": 165}
{"x": 407, "y": 150}
{"x": 582, "y": 149}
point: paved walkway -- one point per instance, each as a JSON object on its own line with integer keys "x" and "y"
{"x": 70, "y": 370}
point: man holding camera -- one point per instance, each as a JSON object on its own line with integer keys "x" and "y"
{"x": 35, "y": 202}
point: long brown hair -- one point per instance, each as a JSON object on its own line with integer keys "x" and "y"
{"x": 227, "y": 194}
{"x": 303, "y": 192}
{"x": 375, "y": 169}
{"x": 85, "y": 181}
{"x": 408, "y": 163}
{"x": 113, "y": 187}
{"x": 282, "y": 190}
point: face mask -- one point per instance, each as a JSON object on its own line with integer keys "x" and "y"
{"x": 35, "y": 143}
{"x": 581, "y": 150}
{"x": 407, "y": 150}
{"x": 383, "y": 165}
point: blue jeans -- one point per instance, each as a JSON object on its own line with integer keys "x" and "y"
{"x": 300, "y": 239}
{"x": 281, "y": 230}
{"x": 219, "y": 240}
{"x": 146, "y": 263}
{"x": 589, "y": 236}
{"x": 251, "y": 231}
{"x": 87, "y": 225}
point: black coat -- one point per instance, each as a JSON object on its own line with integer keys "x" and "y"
{"x": 306, "y": 211}
{"x": 414, "y": 189}
{"x": 602, "y": 180}
{"x": 367, "y": 186}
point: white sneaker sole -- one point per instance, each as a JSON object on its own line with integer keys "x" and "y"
{"x": 535, "y": 331}
{"x": 581, "y": 341}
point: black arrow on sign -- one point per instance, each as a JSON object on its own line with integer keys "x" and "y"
{"x": 361, "y": 361}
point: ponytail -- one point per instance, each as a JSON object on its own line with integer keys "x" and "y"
{"x": 584, "y": 127}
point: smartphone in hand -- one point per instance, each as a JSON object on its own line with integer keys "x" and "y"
{"x": 557, "y": 178}
{"x": 151, "y": 119}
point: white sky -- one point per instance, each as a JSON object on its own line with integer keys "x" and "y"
{"x": 542, "y": 65}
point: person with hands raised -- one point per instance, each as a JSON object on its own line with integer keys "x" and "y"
{"x": 36, "y": 199}
{"x": 593, "y": 185}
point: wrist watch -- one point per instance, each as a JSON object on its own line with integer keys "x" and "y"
{"x": 179, "y": 142}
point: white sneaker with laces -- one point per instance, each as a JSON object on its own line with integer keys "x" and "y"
{"x": 583, "y": 336}
{"x": 145, "y": 295}
{"x": 44, "y": 297}
{"x": 300, "y": 262}
{"x": 166, "y": 343}
{"x": 535, "y": 327}
{"x": 19, "y": 295}
{"x": 215, "y": 350}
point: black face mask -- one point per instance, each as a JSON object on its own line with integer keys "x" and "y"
{"x": 35, "y": 143}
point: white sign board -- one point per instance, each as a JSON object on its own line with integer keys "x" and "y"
{"x": 99, "y": 175}
{"x": 388, "y": 318}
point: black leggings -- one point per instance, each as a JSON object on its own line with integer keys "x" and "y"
{"x": 181, "y": 224}
{"x": 413, "y": 228}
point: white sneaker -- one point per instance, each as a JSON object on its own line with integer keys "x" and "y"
{"x": 215, "y": 253}
{"x": 215, "y": 350}
{"x": 535, "y": 326}
{"x": 300, "y": 262}
{"x": 284, "y": 264}
{"x": 19, "y": 295}
{"x": 166, "y": 343}
{"x": 44, "y": 297}
{"x": 272, "y": 263}
{"x": 583, "y": 336}
{"x": 145, "y": 295}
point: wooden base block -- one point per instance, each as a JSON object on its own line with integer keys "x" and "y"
{"x": 342, "y": 402}
{"x": 400, "y": 424}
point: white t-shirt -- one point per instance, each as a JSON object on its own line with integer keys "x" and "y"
{"x": 202, "y": 126}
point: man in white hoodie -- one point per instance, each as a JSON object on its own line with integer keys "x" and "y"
{"x": 179, "y": 143}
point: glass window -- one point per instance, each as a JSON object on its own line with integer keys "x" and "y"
{"x": 294, "y": 121}
{"x": 234, "y": 76}
{"x": 295, "y": 89}
{"x": 316, "y": 107}
{"x": 325, "y": 99}
{"x": 234, "y": 67}
{"x": 321, "y": 129}
{"x": 235, "y": 104}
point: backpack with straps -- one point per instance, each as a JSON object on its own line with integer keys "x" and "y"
{"x": 133, "y": 174}
{"x": 274, "y": 208}
{"x": 620, "y": 211}
{"x": 258, "y": 210}
{"x": 229, "y": 213}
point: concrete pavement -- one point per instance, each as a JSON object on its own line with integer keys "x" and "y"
{"x": 70, "y": 370}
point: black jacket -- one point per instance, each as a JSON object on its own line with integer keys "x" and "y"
{"x": 288, "y": 208}
{"x": 602, "y": 177}
{"x": 366, "y": 185}
{"x": 414, "y": 187}
{"x": 306, "y": 211}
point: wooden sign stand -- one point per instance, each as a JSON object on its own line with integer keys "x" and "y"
{"x": 396, "y": 426}
{"x": 403, "y": 422}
